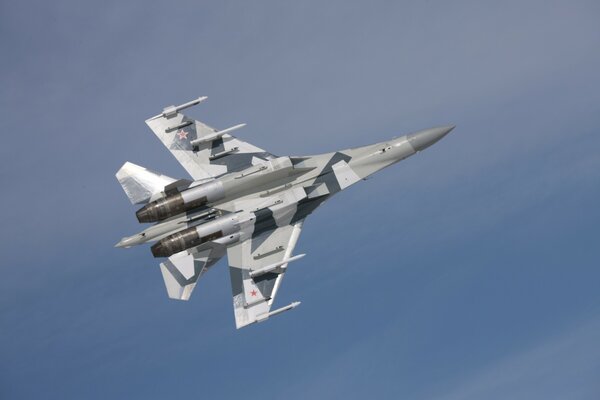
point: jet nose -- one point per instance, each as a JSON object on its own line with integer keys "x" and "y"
{"x": 423, "y": 139}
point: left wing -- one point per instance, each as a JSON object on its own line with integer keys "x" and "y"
{"x": 203, "y": 151}
{"x": 256, "y": 268}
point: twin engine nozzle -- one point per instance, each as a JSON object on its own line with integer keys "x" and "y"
{"x": 179, "y": 202}
{"x": 223, "y": 230}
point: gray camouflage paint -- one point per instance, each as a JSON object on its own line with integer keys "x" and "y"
{"x": 270, "y": 196}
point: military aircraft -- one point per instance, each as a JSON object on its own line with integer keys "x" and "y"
{"x": 243, "y": 201}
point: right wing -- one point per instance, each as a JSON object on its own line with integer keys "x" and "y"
{"x": 181, "y": 271}
{"x": 208, "y": 159}
{"x": 258, "y": 263}
{"x": 254, "y": 295}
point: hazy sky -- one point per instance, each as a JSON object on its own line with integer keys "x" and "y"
{"x": 470, "y": 271}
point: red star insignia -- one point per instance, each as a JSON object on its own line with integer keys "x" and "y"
{"x": 253, "y": 293}
{"x": 182, "y": 134}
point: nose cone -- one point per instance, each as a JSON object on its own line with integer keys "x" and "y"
{"x": 423, "y": 139}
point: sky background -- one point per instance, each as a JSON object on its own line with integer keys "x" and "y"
{"x": 469, "y": 271}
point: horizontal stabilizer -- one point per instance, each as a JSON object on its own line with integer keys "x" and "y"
{"x": 140, "y": 183}
{"x": 182, "y": 270}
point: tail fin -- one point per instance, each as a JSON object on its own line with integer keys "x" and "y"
{"x": 140, "y": 184}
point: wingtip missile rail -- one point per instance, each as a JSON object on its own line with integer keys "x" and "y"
{"x": 171, "y": 111}
{"x": 265, "y": 316}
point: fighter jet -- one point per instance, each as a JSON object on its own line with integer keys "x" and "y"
{"x": 241, "y": 201}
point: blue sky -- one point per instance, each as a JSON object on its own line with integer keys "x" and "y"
{"x": 469, "y": 271}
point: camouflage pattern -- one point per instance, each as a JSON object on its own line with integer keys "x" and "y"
{"x": 262, "y": 204}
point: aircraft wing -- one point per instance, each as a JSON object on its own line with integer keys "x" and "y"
{"x": 203, "y": 151}
{"x": 181, "y": 271}
{"x": 256, "y": 268}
